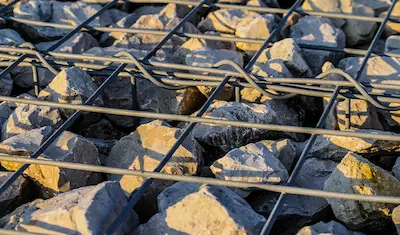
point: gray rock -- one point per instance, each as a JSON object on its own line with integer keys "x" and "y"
{"x": 102, "y": 129}
{"x": 104, "y": 147}
{"x": 253, "y": 163}
{"x": 13, "y": 196}
{"x": 392, "y": 28}
{"x": 88, "y": 210}
{"x": 225, "y": 20}
{"x": 10, "y": 37}
{"x": 226, "y": 138}
{"x": 336, "y": 147}
{"x": 311, "y": 30}
{"x": 299, "y": 210}
{"x": 186, "y": 208}
{"x": 5, "y": 112}
{"x": 291, "y": 54}
{"x": 126, "y": 22}
{"x": 396, "y": 169}
{"x": 396, "y": 218}
{"x": 69, "y": 147}
{"x": 284, "y": 150}
{"x": 356, "y": 174}
{"x": 6, "y": 85}
{"x": 325, "y": 6}
{"x": 332, "y": 228}
{"x": 27, "y": 117}
{"x": 71, "y": 86}
{"x": 207, "y": 58}
{"x": 392, "y": 43}
{"x": 58, "y": 12}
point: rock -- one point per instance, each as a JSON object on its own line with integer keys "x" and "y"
{"x": 15, "y": 195}
{"x": 77, "y": 44}
{"x": 227, "y": 138}
{"x": 396, "y": 218}
{"x": 311, "y": 30}
{"x": 336, "y": 147}
{"x": 69, "y": 147}
{"x": 70, "y": 86}
{"x": 225, "y": 20}
{"x": 207, "y": 59}
{"x": 103, "y": 129}
{"x": 88, "y": 210}
{"x": 396, "y": 169}
{"x": 6, "y": 85}
{"x": 104, "y": 147}
{"x": 116, "y": 15}
{"x": 358, "y": 32}
{"x": 332, "y": 227}
{"x": 283, "y": 149}
{"x": 253, "y": 163}
{"x": 144, "y": 149}
{"x": 185, "y": 208}
{"x": 126, "y": 22}
{"x": 290, "y": 53}
{"x": 326, "y": 6}
{"x": 5, "y": 113}
{"x": 356, "y": 174}
{"x": 392, "y": 28}
{"x": 392, "y": 43}
{"x": 257, "y": 28}
{"x": 57, "y": 12}
{"x": 10, "y": 37}
{"x": 27, "y": 117}
{"x": 299, "y": 210}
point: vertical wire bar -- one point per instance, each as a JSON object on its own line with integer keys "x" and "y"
{"x": 135, "y": 104}
{"x": 135, "y": 198}
{"x": 347, "y": 118}
{"x": 35, "y": 76}
{"x": 237, "y": 94}
{"x": 282, "y": 197}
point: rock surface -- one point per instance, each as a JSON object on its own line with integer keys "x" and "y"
{"x": 186, "y": 208}
{"x": 396, "y": 218}
{"x": 332, "y": 227}
{"x": 284, "y": 150}
{"x": 396, "y": 169}
{"x": 88, "y": 210}
{"x": 10, "y": 37}
{"x": 253, "y": 163}
{"x": 69, "y": 147}
{"x": 357, "y": 175}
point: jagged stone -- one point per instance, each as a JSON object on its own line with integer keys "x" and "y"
{"x": 396, "y": 218}
{"x": 88, "y": 210}
{"x": 392, "y": 43}
{"x": 5, "y": 112}
{"x": 102, "y": 129}
{"x": 356, "y": 174}
{"x": 6, "y": 85}
{"x": 253, "y": 163}
{"x": 336, "y": 147}
{"x": 257, "y": 28}
{"x": 69, "y": 147}
{"x": 27, "y": 117}
{"x": 71, "y": 86}
{"x": 227, "y": 138}
{"x": 392, "y": 28}
{"x": 208, "y": 58}
{"x": 325, "y": 6}
{"x": 126, "y": 22}
{"x": 290, "y": 53}
{"x": 186, "y": 208}
{"x": 292, "y": 20}
{"x": 283, "y": 149}
{"x": 225, "y": 20}
{"x": 396, "y": 169}
{"x": 10, "y": 37}
{"x": 104, "y": 147}
{"x": 332, "y": 228}
{"x": 299, "y": 210}
{"x": 320, "y": 32}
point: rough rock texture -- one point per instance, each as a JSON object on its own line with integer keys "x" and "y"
{"x": 69, "y": 147}
{"x": 207, "y": 59}
{"x": 392, "y": 28}
{"x": 299, "y": 210}
{"x": 311, "y": 30}
{"x": 71, "y": 86}
{"x": 57, "y": 12}
{"x": 185, "y": 208}
{"x": 396, "y": 169}
{"x": 291, "y": 54}
{"x": 257, "y": 28}
{"x": 332, "y": 228}
{"x": 27, "y": 117}
{"x": 392, "y": 43}
{"x": 336, "y": 147}
{"x": 396, "y": 218}
{"x": 10, "y": 37}
{"x": 284, "y": 150}
{"x": 227, "y": 137}
{"x": 253, "y": 163}
{"x": 88, "y": 210}
{"x": 356, "y": 174}
{"x": 6, "y": 85}
{"x": 144, "y": 149}
{"x": 5, "y": 112}
{"x": 225, "y": 21}
{"x": 325, "y": 6}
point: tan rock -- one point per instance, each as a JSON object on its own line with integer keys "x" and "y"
{"x": 357, "y": 175}
{"x": 325, "y": 6}
{"x": 392, "y": 28}
{"x": 225, "y": 21}
{"x": 332, "y": 227}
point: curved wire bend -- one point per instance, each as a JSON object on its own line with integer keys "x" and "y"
{"x": 40, "y": 57}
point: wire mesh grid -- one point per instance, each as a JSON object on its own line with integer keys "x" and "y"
{"x": 27, "y": 55}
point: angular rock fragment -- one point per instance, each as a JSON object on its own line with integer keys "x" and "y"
{"x": 5, "y": 112}
{"x": 253, "y": 163}
{"x": 332, "y": 227}
{"x": 125, "y": 22}
{"x": 27, "y": 117}
{"x": 186, "y": 208}
{"x": 225, "y": 20}
{"x": 71, "y": 86}
{"x": 396, "y": 169}
{"x": 396, "y": 218}
{"x": 299, "y": 210}
{"x": 207, "y": 59}
{"x": 291, "y": 54}
{"x": 325, "y": 6}
{"x": 69, "y": 147}
{"x": 144, "y": 149}
{"x": 102, "y": 129}
{"x": 284, "y": 150}
{"x": 88, "y": 210}
{"x": 336, "y": 147}
{"x": 392, "y": 28}
{"x": 356, "y": 174}
{"x": 10, "y": 37}
{"x": 392, "y": 43}
{"x": 311, "y": 30}
{"x": 6, "y": 85}
{"x": 77, "y": 44}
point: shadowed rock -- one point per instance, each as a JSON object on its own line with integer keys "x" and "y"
{"x": 332, "y": 228}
